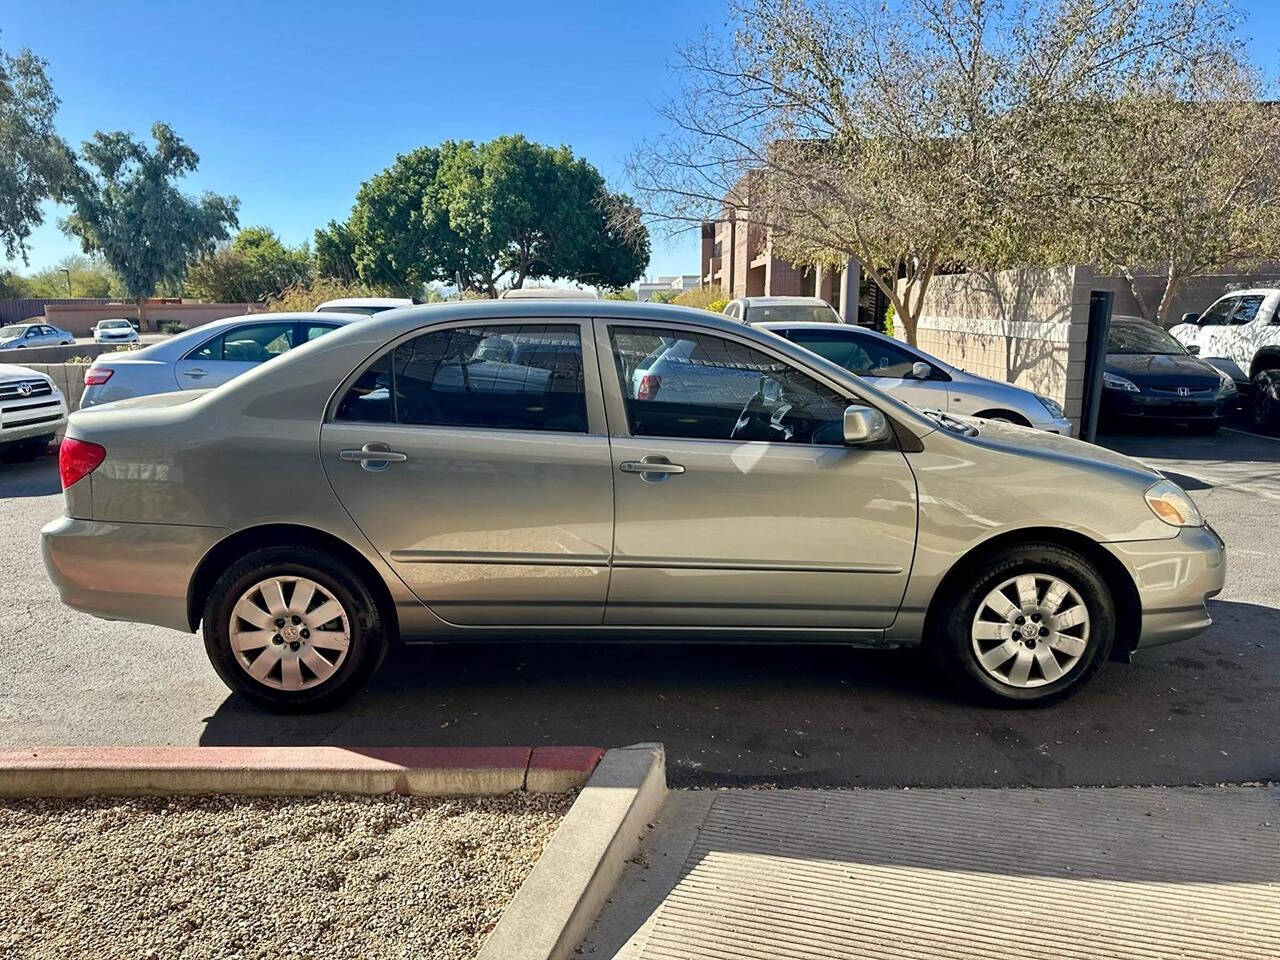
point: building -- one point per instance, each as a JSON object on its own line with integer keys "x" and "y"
{"x": 737, "y": 256}
{"x": 647, "y": 288}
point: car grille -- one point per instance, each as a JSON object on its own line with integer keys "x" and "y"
{"x": 1171, "y": 390}
{"x": 12, "y": 389}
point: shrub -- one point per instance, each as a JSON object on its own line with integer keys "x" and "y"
{"x": 705, "y": 298}
{"x": 171, "y": 326}
{"x": 303, "y": 297}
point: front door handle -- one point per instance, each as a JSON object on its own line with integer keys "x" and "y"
{"x": 653, "y": 469}
{"x": 373, "y": 456}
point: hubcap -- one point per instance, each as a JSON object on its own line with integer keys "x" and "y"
{"x": 289, "y": 633}
{"x": 1031, "y": 630}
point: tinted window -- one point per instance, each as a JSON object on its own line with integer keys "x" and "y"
{"x": 1141, "y": 338}
{"x": 865, "y": 356}
{"x": 1246, "y": 310}
{"x": 708, "y": 388}
{"x": 791, "y": 313}
{"x": 313, "y": 331}
{"x": 254, "y": 343}
{"x": 1216, "y": 315}
{"x": 525, "y": 377}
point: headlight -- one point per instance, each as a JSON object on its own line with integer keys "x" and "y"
{"x": 1111, "y": 382}
{"x": 1170, "y": 503}
{"x": 1226, "y": 386}
{"x": 1055, "y": 411}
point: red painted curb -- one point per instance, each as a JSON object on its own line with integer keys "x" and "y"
{"x": 78, "y": 771}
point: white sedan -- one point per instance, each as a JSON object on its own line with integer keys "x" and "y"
{"x": 115, "y": 331}
{"x": 204, "y": 357}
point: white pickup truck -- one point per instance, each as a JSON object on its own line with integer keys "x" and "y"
{"x": 1240, "y": 335}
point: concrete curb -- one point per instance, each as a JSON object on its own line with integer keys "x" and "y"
{"x": 557, "y": 903}
{"x": 417, "y": 771}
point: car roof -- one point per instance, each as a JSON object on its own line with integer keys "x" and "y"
{"x": 184, "y": 341}
{"x": 387, "y": 302}
{"x": 826, "y": 327}
{"x": 1250, "y": 291}
{"x": 547, "y": 293}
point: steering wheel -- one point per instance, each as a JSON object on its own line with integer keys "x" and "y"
{"x": 756, "y": 422}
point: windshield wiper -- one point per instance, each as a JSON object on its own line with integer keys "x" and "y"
{"x": 948, "y": 422}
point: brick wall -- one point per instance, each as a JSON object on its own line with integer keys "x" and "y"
{"x": 80, "y": 318}
{"x": 1027, "y": 327}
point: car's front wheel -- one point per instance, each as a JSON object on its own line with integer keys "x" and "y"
{"x": 1264, "y": 400}
{"x": 293, "y": 630}
{"x": 1027, "y": 627}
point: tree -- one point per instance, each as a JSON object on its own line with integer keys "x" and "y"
{"x": 128, "y": 208}
{"x": 489, "y": 215}
{"x": 335, "y": 253}
{"x": 76, "y": 276}
{"x": 34, "y": 161}
{"x": 620, "y": 293}
{"x": 913, "y": 137}
{"x": 252, "y": 267}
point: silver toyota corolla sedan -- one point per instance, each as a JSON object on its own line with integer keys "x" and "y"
{"x": 472, "y": 471}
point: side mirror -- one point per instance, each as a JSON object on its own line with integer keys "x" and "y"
{"x": 864, "y": 425}
{"x": 1190, "y": 317}
{"x": 921, "y": 370}
{"x": 1193, "y": 349}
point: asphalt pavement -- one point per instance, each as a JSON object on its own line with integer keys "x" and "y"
{"x": 1203, "y": 711}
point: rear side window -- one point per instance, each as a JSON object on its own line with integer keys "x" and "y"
{"x": 313, "y": 331}
{"x": 519, "y": 377}
{"x": 254, "y": 343}
{"x": 1246, "y": 310}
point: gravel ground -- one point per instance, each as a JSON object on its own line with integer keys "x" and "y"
{"x": 245, "y": 877}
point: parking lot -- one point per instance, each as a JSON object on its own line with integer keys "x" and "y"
{"x": 1205, "y": 711}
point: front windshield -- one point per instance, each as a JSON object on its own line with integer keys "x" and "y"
{"x": 115, "y": 324}
{"x": 7, "y": 332}
{"x": 791, "y": 313}
{"x": 1131, "y": 338}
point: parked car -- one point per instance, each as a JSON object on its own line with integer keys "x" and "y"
{"x": 205, "y": 356}
{"x": 1150, "y": 376}
{"x": 1240, "y": 335}
{"x": 782, "y": 310}
{"x": 923, "y": 380}
{"x": 365, "y": 306}
{"x": 115, "y": 331}
{"x": 18, "y": 336}
{"x": 32, "y": 410}
{"x": 547, "y": 293}
{"x": 367, "y": 487}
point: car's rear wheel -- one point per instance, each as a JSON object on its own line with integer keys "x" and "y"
{"x": 1264, "y": 400}
{"x": 1026, "y": 628}
{"x": 293, "y": 630}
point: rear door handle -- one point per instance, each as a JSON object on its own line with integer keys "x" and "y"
{"x": 196, "y": 373}
{"x": 652, "y": 469}
{"x": 373, "y": 456}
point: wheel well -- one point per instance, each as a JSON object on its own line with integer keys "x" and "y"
{"x": 232, "y": 548}
{"x": 1123, "y": 590}
{"x": 1268, "y": 358}
{"x": 1005, "y": 415}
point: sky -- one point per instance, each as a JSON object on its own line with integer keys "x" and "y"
{"x": 291, "y": 106}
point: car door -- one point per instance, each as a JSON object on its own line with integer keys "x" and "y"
{"x": 1211, "y": 326}
{"x": 887, "y": 365}
{"x": 743, "y": 508}
{"x": 482, "y": 476}
{"x": 1245, "y": 331}
{"x": 233, "y": 352}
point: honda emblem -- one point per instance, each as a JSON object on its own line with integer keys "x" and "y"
{"x": 1184, "y": 391}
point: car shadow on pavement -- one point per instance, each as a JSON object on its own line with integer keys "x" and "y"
{"x": 1177, "y": 443}
{"x": 1204, "y": 711}
{"x": 22, "y": 475}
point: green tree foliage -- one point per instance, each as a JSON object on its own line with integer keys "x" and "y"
{"x": 128, "y": 209}
{"x": 252, "y": 267}
{"x": 492, "y": 214}
{"x": 335, "y": 253}
{"x": 621, "y": 293}
{"x": 34, "y": 161}
{"x": 89, "y": 277}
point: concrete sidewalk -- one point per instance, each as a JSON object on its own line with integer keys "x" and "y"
{"x": 925, "y": 874}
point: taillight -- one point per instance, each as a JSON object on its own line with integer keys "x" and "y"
{"x": 97, "y": 376}
{"x": 649, "y": 385}
{"x": 77, "y": 459}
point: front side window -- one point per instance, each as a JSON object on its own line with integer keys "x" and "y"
{"x": 255, "y": 343}
{"x": 517, "y": 377}
{"x": 1216, "y": 315}
{"x": 701, "y": 387}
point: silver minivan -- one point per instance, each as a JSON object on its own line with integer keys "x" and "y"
{"x": 472, "y": 471}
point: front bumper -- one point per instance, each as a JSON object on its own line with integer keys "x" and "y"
{"x": 1121, "y": 403}
{"x": 138, "y": 572}
{"x": 1175, "y": 578}
{"x": 37, "y": 418}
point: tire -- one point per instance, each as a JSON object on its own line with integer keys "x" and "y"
{"x": 953, "y": 631}
{"x": 999, "y": 416}
{"x": 1264, "y": 401}
{"x": 234, "y": 649}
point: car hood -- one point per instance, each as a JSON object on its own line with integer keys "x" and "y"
{"x": 1154, "y": 368}
{"x": 1016, "y": 439}
{"x": 13, "y": 371}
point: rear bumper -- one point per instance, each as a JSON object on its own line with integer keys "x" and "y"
{"x": 1175, "y": 578}
{"x": 138, "y": 572}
